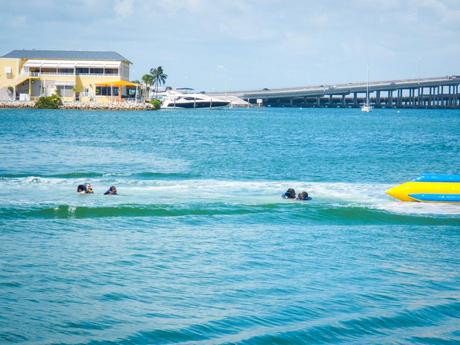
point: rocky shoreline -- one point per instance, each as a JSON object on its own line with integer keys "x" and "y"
{"x": 83, "y": 106}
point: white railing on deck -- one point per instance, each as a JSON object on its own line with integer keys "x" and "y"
{"x": 37, "y": 74}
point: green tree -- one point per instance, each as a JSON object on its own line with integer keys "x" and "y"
{"x": 156, "y": 104}
{"x": 159, "y": 77}
{"x": 49, "y": 102}
{"x": 147, "y": 79}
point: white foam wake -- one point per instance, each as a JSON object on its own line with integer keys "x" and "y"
{"x": 39, "y": 190}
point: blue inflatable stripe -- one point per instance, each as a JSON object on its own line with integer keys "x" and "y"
{"x": 436, "y": 197}
{"x": 438, "y": 178}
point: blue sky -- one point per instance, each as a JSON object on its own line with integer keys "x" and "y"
{"x": 244, "y": 44}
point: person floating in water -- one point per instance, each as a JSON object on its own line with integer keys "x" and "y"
{"x": 290, "y": 194}
{"x": 85, "y": 189}
{"x": 303, "y": 196}
{"x": 111, "y": 191}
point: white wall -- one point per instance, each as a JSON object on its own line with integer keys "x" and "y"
{"x": 5, "y": 94}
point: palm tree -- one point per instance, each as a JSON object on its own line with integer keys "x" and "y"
{"x": 148, "y": 81}
{"x": 159, "y": 77}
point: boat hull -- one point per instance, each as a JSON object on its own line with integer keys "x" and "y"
{"x": 192, "y": 105}
{"x": 429, "y": 188}
{"x": 366, "y": 108}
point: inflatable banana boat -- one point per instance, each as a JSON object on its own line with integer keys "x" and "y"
{"x": 429, "y": 188}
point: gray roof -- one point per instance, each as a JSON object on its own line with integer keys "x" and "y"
{"x": 65, "y": 55}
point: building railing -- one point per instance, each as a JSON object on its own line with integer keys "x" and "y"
{"x": 37, "y": 74}
{"x": 100, "y": 74}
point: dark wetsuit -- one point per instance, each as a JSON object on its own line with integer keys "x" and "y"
{"x": 112, "y": 191}
{"x": 81, "y": 188}
{"x": 303, "y": 196}
{"x": 290, "y": 194}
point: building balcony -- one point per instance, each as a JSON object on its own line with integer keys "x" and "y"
{"x": 59, "y": 73}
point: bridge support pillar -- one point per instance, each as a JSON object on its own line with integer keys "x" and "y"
{"x": 419, "y": 98}
{"x": 457, "y": 99}
{"x": 449, "y": 96}
{"x": 439, "y": 97}
{"x": 419, "y": 94}
{"x": 453, "y": 97}
{"x": 456, "y": 96}
{"x": 443, "y": 97}
{"x": 429, "y": 97}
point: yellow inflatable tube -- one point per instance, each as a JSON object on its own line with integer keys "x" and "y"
{"x": 429, "y": 188}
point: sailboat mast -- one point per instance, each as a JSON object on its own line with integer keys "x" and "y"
{"x": 367, "y": 86}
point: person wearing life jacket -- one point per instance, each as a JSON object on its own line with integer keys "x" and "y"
{"x": 85, "y": 189}
{"x": 89, "y": 189}
{"x": 111, "y": 191}
{"x": 290, "y": 194}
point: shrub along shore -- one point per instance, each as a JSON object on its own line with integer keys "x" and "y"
{"x": 84, "y": 106}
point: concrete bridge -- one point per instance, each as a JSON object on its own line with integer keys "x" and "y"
{"x": 442, "y": 92}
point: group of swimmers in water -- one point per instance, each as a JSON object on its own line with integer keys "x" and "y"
{"x": 88, "y": 189}
{"x": 289, "y": 194}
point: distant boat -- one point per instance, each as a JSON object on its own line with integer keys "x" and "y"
{"x": 366, "y": 107}
{"x": 187, "y": 98}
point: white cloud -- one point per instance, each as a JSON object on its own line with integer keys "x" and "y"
{"x": 124, "y": 8}
{"x": 249, "y": 37}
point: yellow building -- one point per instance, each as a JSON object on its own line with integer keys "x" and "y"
{"x": 84, "y": 76}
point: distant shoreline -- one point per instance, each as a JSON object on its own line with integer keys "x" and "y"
{"x": 81, "y": 106}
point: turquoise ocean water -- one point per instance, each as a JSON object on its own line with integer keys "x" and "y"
{"x": 199, "y": 247}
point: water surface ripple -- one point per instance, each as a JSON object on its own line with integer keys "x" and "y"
{"x": 200, "y": 248}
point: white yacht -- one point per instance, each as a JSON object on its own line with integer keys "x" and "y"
{"x": 188, "y": 98}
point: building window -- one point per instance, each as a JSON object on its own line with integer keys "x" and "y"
{"x": 111, "y": 71}
{"x": 96, "y": 71}
{"x": 65, "y": 71}
{"x": 82, "y": 70}
{"x": 65, "y": 90}
{"x": 106, "y": 91}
